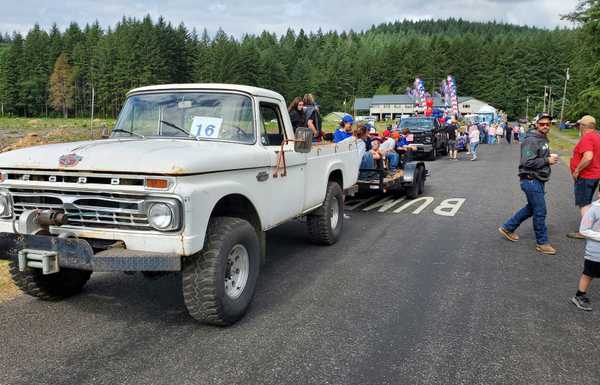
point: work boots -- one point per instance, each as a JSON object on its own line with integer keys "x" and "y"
{"x": 546, "y": 249}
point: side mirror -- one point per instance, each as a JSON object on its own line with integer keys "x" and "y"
{"x": 303, "y": 140}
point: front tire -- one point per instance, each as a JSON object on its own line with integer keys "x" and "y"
{"x": 433, "y": 153}
{"x": 325, "y": 224}
{"x": 219, "y": 281}
{"x": 49, "y": 287}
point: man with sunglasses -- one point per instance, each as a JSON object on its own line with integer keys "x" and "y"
{"x": 534, "y": 172}
{"x": 585, "y": 167}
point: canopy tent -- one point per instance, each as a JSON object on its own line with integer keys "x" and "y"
{"x": 487, "y": 109}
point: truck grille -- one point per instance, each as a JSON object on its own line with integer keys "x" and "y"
{"x": 86, "y": 209}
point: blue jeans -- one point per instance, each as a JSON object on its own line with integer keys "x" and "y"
{"x": 536, "y": 208}
{"x": 367, "y": 162}
{"x": 474, "y": 147}
{"x": 393, "y": 159}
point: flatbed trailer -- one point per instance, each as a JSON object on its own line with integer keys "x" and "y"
{"x": 409, "y": 179}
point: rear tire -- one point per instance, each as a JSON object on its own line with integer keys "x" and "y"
{"x": 231, "y": 252}
{"x": 50, "y": 287}
{"x": 325, "y": 224}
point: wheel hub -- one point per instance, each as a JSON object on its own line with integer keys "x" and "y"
{"x": 236, "y": 271}
{"x": 335, "y": 213}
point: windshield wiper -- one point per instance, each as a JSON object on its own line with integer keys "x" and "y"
{"x": 128, "y": 132}
{"x": 175, "y": 127}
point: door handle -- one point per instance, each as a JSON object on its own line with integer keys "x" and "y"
{"x": 262, "y": 176}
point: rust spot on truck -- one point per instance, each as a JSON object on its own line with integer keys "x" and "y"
{"x": 175, "y": 170}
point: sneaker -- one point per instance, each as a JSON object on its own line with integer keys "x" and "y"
{"x": 546, "y": 249}
{"x": 475, "y": 158}
{"x": 575, "y": 235}
{"x": 582, "y": 302}
{"x": 508, "y": 235}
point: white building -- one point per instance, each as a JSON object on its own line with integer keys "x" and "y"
{"x": 393, "y": 106}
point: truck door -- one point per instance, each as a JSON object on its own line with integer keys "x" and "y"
{"x": 285, "y": 192}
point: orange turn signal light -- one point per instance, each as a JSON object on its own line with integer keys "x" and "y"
{"x": 157, "y": 183}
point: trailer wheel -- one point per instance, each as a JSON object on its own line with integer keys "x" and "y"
{"x": 50, "y": 287}
{"x": 412, "y": 191}
{"x": 422, "y": 180}
{"x": 325, "y": 224}
{"x": 219, "y": 281}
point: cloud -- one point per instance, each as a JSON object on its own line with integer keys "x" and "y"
{"x": 246, "y": 16}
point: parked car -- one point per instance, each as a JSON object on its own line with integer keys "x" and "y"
{"x": 429, "y": 136}
{"x": 191, "y": 178}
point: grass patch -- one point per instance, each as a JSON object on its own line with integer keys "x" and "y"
{"x": 8, "y": 290}
{"x": 24, "y": 132}
{"x": 331, "y": 125}
{"x": 561, "y": 142}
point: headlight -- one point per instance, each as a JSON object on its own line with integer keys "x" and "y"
{"x": 428, "y": 139}
{"x": 4, "y": 206}
{"x": 161, "y": 216}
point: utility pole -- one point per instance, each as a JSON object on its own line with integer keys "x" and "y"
{"x": 550, "y": 100}
{"x": 562, "y": 109}
{"x": 92, "y": 115}
{"x": 545, "y": 96}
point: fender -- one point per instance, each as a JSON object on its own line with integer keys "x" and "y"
{"x": 410, "y": 169}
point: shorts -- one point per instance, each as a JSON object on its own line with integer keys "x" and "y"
{"x": 584, "y": 190}
{"x": 452, "y": 144}
{"x": 591, "y": 268}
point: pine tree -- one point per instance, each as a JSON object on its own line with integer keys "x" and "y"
{"x": 62, "y": 88}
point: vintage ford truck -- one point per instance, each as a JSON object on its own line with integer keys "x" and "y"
{"x": 191, "y": 178}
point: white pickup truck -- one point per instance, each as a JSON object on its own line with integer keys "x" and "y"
{"x": 191, "y": 178}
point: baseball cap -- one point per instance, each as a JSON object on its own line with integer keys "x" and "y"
{"x": 347, "y": 119}
{"x": 372, "y": 131}
{"x": 544, "y": 115}
{"x": 587, "y": 120}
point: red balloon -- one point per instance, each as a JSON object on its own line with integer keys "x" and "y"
{"x": 429, "y": 102}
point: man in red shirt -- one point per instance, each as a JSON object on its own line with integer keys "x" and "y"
{"x": 585, "y": 166}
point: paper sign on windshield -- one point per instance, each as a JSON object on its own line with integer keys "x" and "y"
{"x": 206, "y": 127}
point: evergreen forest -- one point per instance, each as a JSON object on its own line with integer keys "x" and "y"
{"x": 53, "y": 73}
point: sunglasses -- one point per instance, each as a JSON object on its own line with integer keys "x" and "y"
{"x": 544, "y": 124}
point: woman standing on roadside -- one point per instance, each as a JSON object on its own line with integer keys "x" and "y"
{"x": 491, "y": 134}
{"x": 296, "y": 111}
{"x": 474, "y": 140}
{"x": 499, "y": 133}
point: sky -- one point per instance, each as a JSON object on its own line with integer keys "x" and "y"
{"x": 250, "y": 17}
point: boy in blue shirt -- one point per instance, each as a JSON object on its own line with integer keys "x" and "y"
{"x": 344, "y": 131}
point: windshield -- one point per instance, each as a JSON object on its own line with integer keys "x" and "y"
{"x": 416, "y": 124}
{"x": 194, "y": 115}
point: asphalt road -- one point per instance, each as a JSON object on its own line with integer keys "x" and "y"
{"x": 403, "y": 299}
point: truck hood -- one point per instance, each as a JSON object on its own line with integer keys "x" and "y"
{"x": 140, "y": 156}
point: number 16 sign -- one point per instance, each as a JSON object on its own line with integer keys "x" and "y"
{"x": 206, "y": 127}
